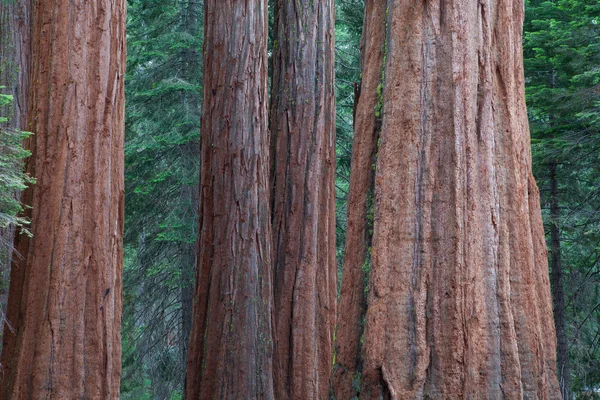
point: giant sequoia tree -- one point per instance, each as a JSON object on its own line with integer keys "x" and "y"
{"x": 458, "y": 295}
{"x": 64, "y": 307}
{"x": 230, "y": 351}
{"x": 303, "y": 152}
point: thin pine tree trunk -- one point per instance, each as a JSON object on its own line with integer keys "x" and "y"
{"x": 558, "y": 292}
{"x": 190, "y": 70}
{"x": 15, "y": 62}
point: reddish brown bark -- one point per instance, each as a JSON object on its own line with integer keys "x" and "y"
{"x": 459, "y": 299}
{"x": 303, "y": 129}
{"x": 65, "y": 295}
{"x": 367, "y": 125}
{"x": 230, "y": 351}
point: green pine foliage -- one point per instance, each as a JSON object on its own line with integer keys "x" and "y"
{"x": 13, "y": 180}
{"x": 163, "y": 89}
{"x": 348, "y": 31}
{"x": 12, "y": 177}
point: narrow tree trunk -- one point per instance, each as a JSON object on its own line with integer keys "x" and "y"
{"x": 8, "y": 72}
{"x": 188, "y": 257}
{"x": 556, "y": 277}
{"x": 15, "y": 56}
{"x": 367, "y": 127}
{"x": 15, "y": 53}
{"x": 191, "y": 73}
{"x": 303, "y": 129}
{"x": 231, "y": 347}
{"x": 459, "y": 299}
{"x": 65, "y": 295}
{"x": 558, "y": 293}
{"x": 188, "y": 262}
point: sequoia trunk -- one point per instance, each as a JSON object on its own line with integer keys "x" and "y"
{"x": 65, "y": 298}
{"x": 303, "y": 129}
{"x": 230, "y": 351}
{"x": 459, "y": 296}
{"x": 367, "y": 126}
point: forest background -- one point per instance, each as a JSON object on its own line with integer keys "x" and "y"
{"x": 164, "y": 93}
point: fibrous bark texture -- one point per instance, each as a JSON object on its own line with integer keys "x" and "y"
{"x": 459, "y": 298}
{"x": 65, "y": 297}
{"x": 367, "y": 126}
{"x": 303, "y": 129}
{"x": 230, "y": 351}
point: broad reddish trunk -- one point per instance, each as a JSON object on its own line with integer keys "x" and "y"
{"x": 230, "y": 351}
{"x": 367, "y": 126}
{"x": 459, "y": 298}
{"x": 303, "y": 129}
{"x": 65, "y": 297}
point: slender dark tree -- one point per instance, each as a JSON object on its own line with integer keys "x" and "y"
{"x": 15, "y": 62}
{"x": 15, "y": 56}
{"x": 557, "y": 280}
